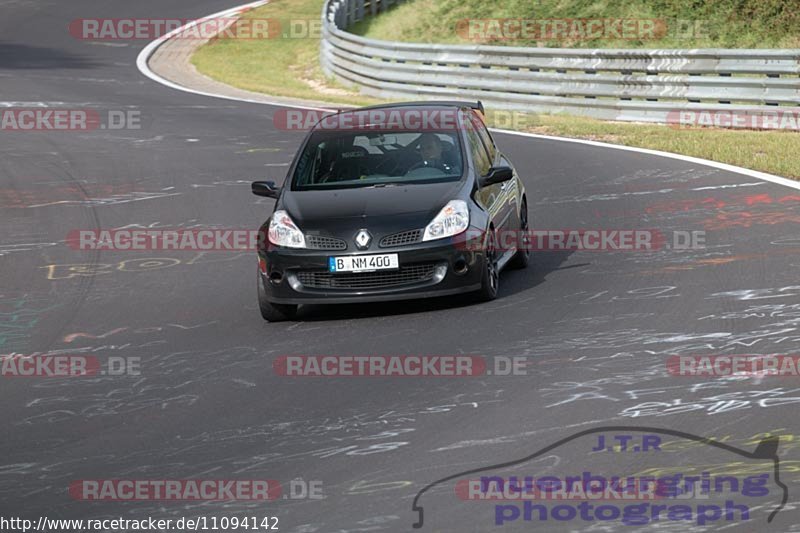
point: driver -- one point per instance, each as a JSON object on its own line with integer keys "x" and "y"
{"x": 432, "y": 151}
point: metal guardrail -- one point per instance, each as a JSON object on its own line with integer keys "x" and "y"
{"x": 633, "y": 85}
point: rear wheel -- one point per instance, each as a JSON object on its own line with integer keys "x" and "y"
{"x": 490, "y": 281}
{"x": 523, "y": 255}
{"x": 273, "y": 312}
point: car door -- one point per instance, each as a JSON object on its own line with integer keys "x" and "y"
{"x": 495, "y": 197}
{"x": 510, "y": 190}
{"x": 491, "y": 197}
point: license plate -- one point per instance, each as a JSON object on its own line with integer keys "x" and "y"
{"x": 363, "y": 263}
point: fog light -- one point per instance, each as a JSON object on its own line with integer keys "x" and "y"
{"x": 439, "y": 273}
{"x": 294, "y": 283}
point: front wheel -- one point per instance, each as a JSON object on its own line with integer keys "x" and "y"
{"x": 273, "y": 312}
{"x": 490, "y": 281}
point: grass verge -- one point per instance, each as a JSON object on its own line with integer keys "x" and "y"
{"x": 767, "y": 151}
{"x": 678, "y": 23}
{"x": 279, "y": 66}
{"x": 290, "y": 67}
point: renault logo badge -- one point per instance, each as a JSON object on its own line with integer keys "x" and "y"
{"x": 363, "y": 238}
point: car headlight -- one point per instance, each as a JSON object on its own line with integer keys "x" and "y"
{"x": 451, "y": 220}
{"x": 284, "y": 232}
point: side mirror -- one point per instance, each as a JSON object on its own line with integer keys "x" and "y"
{"x": 265, "y": 188}
{"x": 497, "y": 175}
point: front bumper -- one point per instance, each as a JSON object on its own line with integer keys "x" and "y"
{"x": 436, "y": 268}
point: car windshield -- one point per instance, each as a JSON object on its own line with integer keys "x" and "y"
{"x": 372, "y": 159}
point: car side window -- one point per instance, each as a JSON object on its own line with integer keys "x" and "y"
{"x": 480, "y": 156}
{"x": 483, "y": 133}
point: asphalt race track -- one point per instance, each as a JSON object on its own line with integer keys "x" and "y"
{"x": 596, "y": 327}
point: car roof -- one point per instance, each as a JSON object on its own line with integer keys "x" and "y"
{"x": 422, "y": 106}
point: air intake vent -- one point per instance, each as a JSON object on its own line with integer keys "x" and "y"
{"x": 401, "y": 239}
{"x": 318, "y": 242}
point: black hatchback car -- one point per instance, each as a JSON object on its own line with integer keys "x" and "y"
{"x": 390, "y": 202}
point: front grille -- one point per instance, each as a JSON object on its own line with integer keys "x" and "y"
{"x": 401, "y": 239}
{"x": 318, "y": 242}
{"x": 406, "y": 275}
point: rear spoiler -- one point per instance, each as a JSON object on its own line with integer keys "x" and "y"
{"x": 477, "y": 106}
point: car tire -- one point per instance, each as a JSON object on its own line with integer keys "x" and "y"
{"x": 522, "y": 258}
{"x": 272, "y": 312}
{"x": 490, "y": 280}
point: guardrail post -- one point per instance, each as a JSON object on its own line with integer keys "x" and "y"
{"x": 351, "y": 12}
{"x": 339, "y": 15}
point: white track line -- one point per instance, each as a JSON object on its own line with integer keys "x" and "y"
{"x": 147, "y": 51}
{"x": 722, "y": 166}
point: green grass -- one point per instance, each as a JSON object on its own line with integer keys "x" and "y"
{"x": 714, "y": 23}
{"x": 290, "y": 67}
{"x": 768, "y": 151}
{"x": 280, "y": 66}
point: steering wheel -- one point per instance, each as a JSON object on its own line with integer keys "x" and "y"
{"x": 390, "y": 159}
{"x": 422, "y": 164}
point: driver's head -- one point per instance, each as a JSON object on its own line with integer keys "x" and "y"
{"x": 430, "y": 147}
